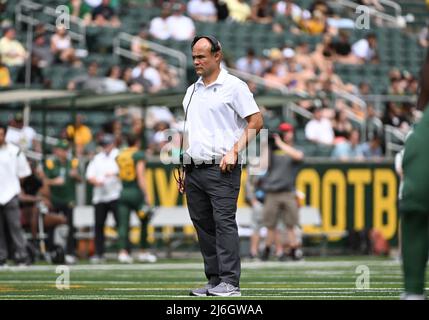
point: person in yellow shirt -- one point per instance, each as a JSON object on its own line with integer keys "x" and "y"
{"x": 239, "y": 10}
{"x": 80, "y": 133}
{"x": 12, "y": 52}
{"x": 5, "y": 80}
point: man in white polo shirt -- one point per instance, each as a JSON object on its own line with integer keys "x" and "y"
{"x": 102, "y": 173}
{"x": 13, "y": 166}
{"x": 221, "y": 118}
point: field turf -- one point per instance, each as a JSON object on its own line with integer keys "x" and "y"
{"x": 313, "y": 278}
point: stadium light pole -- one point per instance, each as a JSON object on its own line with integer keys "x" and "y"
{"x": 27, "y": 107}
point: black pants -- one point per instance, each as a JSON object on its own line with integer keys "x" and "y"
{"x": 212, "y": 202}
{"x": 101, "y": 211}
{"x": 67, "y": 210}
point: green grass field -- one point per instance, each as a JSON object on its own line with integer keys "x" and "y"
{"x": 314, "y": 278}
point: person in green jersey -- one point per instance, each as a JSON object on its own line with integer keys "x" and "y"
{"x": 134, "y": 197}
{"x": 414, "y": 203}
{"x": 62, "y": 174}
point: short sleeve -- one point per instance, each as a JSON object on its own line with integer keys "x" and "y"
{"x": 244, "y": 103}
{"x": 139, "y": 155}
{"x": 24, "y": 169}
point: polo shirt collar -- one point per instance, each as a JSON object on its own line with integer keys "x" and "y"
{"x": 220, "y": 78}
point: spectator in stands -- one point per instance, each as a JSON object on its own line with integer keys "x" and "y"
{"x": 80, "y": 134}
{"x": 328, "y": 73}
{"x": 372, "y": 148}
{"x": 159, "y": 137}
{"x": 262, "y": 11}
{"x": 323, "y": 53}
{"x": 202, "y": 10}
{"x": 62, "y": 47}
{"x": 272, "y": 77}
{"x": 350, "y": 148}
{"x": 341, "y": 125}
{"x": 372, "y": 3}
{"x": 169, "y": 76}
{"x": 139, "y": 44}
{"x": 36, "y": 74}
{"x": 22, "y": 135}
{"x": 113, "y": 82}
{"x": 279, "y": 186}
{"x": 81, "y": 10}
{"x": 5, "y": 80}
{"x": 14, "y": 167}
{"x": 365, "y": 50}
{"x": 90, "y": 81}
{"x": 394, "y": 116}
{"x": 322, "y": 6}
{"x": 147, "y": 72}
{"x": 222, "y": 11}
{"x": 302, "y": 56}
{"x": 102, "y": 173}
{"x": 159, "y": 27}
{"x": 315, "y": 25}
{"x": 343, "y": 49}
{"x": 288, "y": 15}
{"x": 136, "y": 85}
{"x": 181, "y": 27}
{"x": 42, "y": 50}
{"x": 319, "y": 130}
{"x": 250, "y": 63}
{"x": 12, "y": 52}
{"x": 104, "y": 15}
{"x": 239, "y": 10}
{"x": 62, "y": 174}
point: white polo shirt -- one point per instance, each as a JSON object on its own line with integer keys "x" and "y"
{"x": 103, "y": 167}
{"x": 216, "y": 115}
{"x": 13, "y": 166}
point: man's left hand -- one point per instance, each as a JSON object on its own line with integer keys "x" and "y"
{"x": 228, "y": 161}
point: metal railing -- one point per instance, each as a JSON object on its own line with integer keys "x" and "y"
{"x": 392, "y": 134}
{"x": 163, "y": 50}
{"x": 25, "y": 11}
{"x": 396, "y": 20}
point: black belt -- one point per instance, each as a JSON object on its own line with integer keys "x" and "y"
{"x": 202, "y": 165}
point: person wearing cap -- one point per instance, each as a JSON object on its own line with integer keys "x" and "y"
{"x": 13, "y": 167}
{"x": 102, "y": 173}
{"x": 21, "y": 135}
{"x": 414, "y": 204}
{"x": 221, "y": 118}
{"x": 61, "y": 175}
{"x": 280, "y": 194}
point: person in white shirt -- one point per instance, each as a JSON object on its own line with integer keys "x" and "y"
{"x": 22, "y": 136}
{"x": 319, "y": 129}
{"x": 250, "y": 63}
{"x": 102, "y": 174}
{"x": 146, "y": 71}
{"x": 180, "y": 26}
{"x": 13, "y": 167}
{"x": 202, "y": 10}
{"x": 223, "y": 118}
{"x": 158, "y": 27}
{"x": 365, "y": 50}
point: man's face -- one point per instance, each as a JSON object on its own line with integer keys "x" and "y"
{"x": 60, "y": 153}
{"x": 2, "y": 136}
{"x": 205, "y": 61}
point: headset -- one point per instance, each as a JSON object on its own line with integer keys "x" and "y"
{"x": 215, "y": 47}
{"x": 213, "y": 41}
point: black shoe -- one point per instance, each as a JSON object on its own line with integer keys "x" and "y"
{"x": 3, "y": 263}
{"x": 283, "y": 257}
{"x": 265, "y": 254}
{"x": 296, "y": 254}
